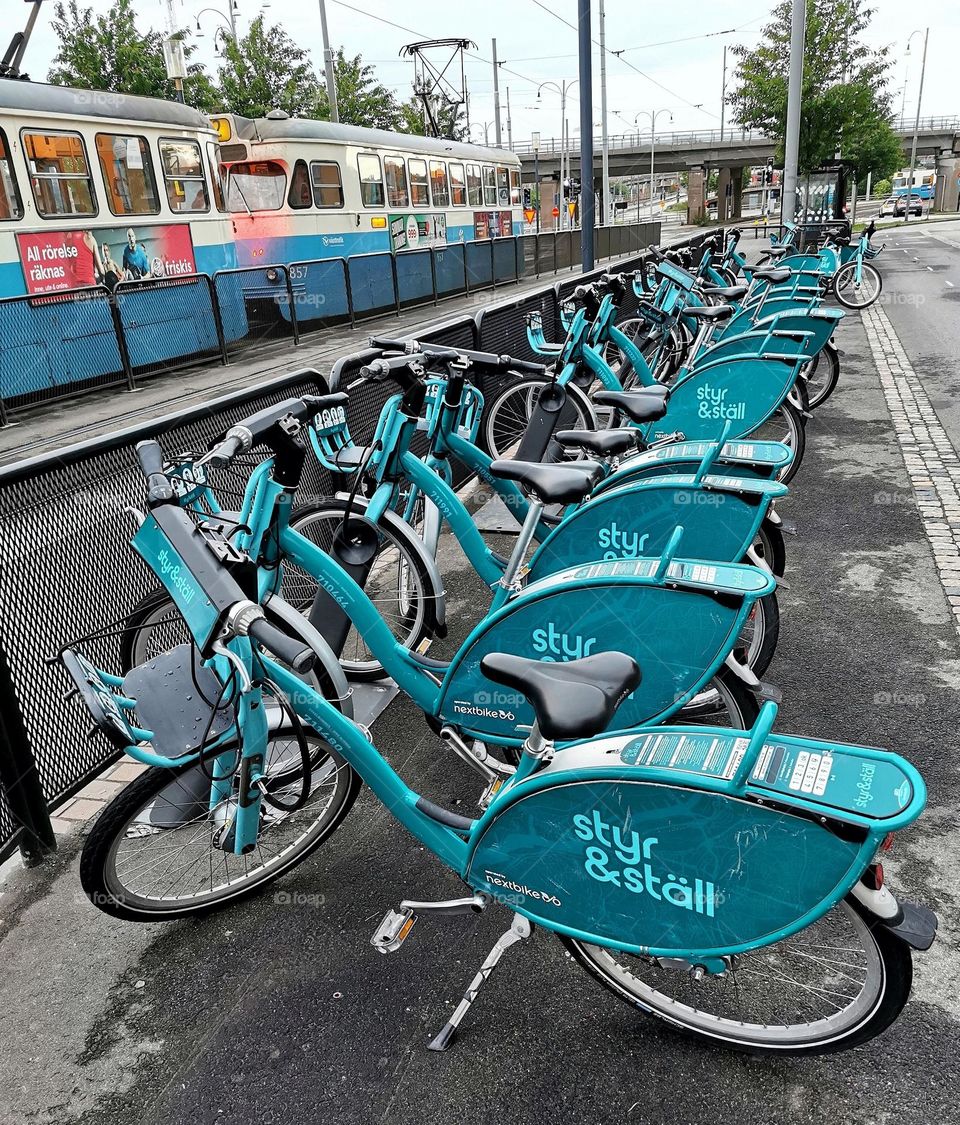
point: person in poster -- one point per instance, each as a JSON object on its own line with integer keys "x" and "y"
{"x": 87, "y": 265}
{"x": 112, "y": 272}
{"x": 136, "y": 264}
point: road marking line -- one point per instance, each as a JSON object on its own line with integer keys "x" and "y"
{"x": 931, "y": 461}
{"x": 950, "y": 283}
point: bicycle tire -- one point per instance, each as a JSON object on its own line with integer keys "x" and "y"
{"x": 508, "y": 414}
{"x": 118, "y": 823}
{"x": 893, "y": 978}
{"x": 842, "y": 288}
{"x": 823, "y": 374}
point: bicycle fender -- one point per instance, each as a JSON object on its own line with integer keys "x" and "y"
{"x": 326, "y": 666}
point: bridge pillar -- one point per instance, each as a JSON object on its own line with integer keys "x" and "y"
{"x": 696, "y": 194}
{"x": 948, "y": 183}
{"x": 729, "y": 193}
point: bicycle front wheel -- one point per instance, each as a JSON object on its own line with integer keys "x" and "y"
{"x": 158, "y": 851}
{"x": 854, "y": 295}
{"x": 823, "y": 374}
{"x": 508, "y": 415}
{"x": 398, "y": 584}
{"x": 788, "y": 425}
{"x": 832, "y": 986}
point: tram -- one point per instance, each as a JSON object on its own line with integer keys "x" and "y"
{"x": 300, "y": 190}
{"x": 97, "y": 188}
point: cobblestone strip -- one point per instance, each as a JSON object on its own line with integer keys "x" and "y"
{"x": 932, "y": 462}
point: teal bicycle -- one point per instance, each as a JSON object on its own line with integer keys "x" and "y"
{"x": 724, "y": 881}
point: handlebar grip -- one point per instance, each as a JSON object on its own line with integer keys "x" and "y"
{"x": 655, "y": 252}
{"x": 289, "y": 650}
{"x": 388, "y": 344}
{"x": 150, "y": 458}
{"x": 523, "y": 365}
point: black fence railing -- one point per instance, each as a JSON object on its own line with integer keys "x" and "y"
{"x": 61, "y": 344}
{"x": 68, "y": 570}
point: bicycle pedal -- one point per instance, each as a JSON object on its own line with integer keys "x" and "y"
{"x": 393, "y": 930}
{"x": 490, "y": 792}
{"x": 768, "y": 692}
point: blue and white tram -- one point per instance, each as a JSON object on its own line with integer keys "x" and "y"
{"x": 300, "y": 190}
{"x": 97, "y": 188}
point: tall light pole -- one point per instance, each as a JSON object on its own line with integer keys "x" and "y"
{"x": 586, "y": 136}
{"x": 791, "y": 157}
{"x": 496, "y": 92}
{"x": 723, "y": 93}
{"x": 562, "y": 90}
{"x": 229, "y": 18}
{"x": 604, "y": 139}
{"x": 535, "y": 139}
{"x": 328, "y": 65}
{"x": 653, "y": 115}
{"x": 916, "y": 123}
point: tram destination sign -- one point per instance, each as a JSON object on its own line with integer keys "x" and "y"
{"x": 71, "y": 259}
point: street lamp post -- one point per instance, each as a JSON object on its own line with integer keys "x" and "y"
{"x": 535, "y": 138}
{"x": 562, "y": 90}
{"x": 229, "y": 19}
{"x": 916, "y": 124}
{"x": 653, "y": 115}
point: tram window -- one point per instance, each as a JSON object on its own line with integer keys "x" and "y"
{"x": 371, "y": 180}
{"x": 10, "y": 205}
{"x": 395, "y": 174}
{"x": 128, "y": 173}
{"x": 438, "y": 183}
{"x": 503, "y": 187}
{"x": 490, "y": 186}
{"x": 458, "y": 187}
{"x": 256, "y": 185}
{"x": 300, "y": 195}
{"x": 216, "y": 179}
{"x": 474, "y": 186}
{"x": 59, "y": 174}
{"x": 515, "y": 187}
{"x": 183, "y": 176}
{"x": 419, "y": 189}
{"x": 327, "y": 188}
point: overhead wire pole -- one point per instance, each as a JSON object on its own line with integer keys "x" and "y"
{"x": 605, "y": 140}
{"x": 328, "y": 65}
{"x": 496, "y": 94}
{"x": 916, "y": 130}
{"x": 586, "y": 135}
{"x": 788, "y": 200}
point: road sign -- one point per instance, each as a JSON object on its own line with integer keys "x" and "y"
{"x": 571, "y": 207}
{"x": 529, "y": 214}
{"x": 556, "y": 212}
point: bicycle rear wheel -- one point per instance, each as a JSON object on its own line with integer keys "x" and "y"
{"x": 155, "y": 851}
{"x": 832, "y": 986}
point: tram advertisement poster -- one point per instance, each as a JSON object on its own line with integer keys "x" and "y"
{"x": 72, "y": 259}
{"x": 412, "y": 232}
{"x": 492, "y": 224}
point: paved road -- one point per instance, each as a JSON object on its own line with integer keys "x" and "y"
{"x": 280, "y": 1011}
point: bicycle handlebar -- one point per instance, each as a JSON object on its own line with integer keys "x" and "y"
{"x": 150, "y": 458}
{"x": 238, "y": 440}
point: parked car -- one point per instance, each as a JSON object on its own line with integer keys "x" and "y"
{"x": 897, "y": 205}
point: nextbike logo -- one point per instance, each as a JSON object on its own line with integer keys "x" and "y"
{"x": 498, "y": 880}
{"x": 481, "y": 711}
{"x": 174, "y": 578}
{"x": 713, "y": 404}
{"x": 622, "y": 846}
{"x": 616, "y": 543}
{"x": 551, "y": 644}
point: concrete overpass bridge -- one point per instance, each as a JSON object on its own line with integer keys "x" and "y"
{"x": 680, "y": 151}
{"x": 696, "y": 152}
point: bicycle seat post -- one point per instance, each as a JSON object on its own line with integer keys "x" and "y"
{"x": 511, "y": 574}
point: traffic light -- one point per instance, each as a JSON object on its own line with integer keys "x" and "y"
{"x": 527, "y": 199}
{"x": 574, "y": 189}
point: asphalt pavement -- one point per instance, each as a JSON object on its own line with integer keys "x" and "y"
{"x": 280, "y": 1011}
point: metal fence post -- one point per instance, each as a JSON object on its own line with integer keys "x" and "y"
{"x": 294, "y": 323}
{"x": 19, "y": 777}
{"x": 493, "y": 267}
{"x": 396, "y": 283}
{"x": 348, "y": 289}
{"x": 114, "y": 299}
{"x": 433, "y": 274}
{"x": 217, "y": 318}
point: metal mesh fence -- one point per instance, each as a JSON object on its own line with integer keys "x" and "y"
{"x": 255, "y": 305}
{"x": 167, "y": 323}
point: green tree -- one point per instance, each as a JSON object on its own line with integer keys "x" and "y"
{"x": 265, "y": 70}
{"x": 109, "y": 52}
{"x": 361, "y": 99}
{"x": 845, "y": 103}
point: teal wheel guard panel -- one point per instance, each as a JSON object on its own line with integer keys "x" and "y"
{"x": 653, "y": 866}
{"x": 633, "y": 522}
{"x": 744, "y": 393}
{"x": 750, "y": 459}
{"x": 677, "y": 636}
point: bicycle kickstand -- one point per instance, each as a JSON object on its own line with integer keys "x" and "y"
{"x": 520, "y": 930}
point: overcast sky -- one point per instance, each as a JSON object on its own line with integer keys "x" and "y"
{"x": 672, "y": 58}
